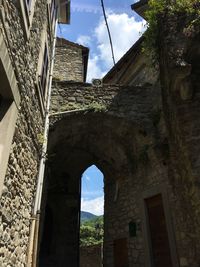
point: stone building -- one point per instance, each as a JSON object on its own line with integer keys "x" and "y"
{"x": 70, "y": 61}
{"x": 27, "y": 34}
{"x": 141, "y": 128}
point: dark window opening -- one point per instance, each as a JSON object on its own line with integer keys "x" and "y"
{"x": 44, "y": 72}
{"x": 27, "y": 4}
{"x": 53, "y": 11}
{"x": 4, "y": 105}
{"x": 46, "y": 244}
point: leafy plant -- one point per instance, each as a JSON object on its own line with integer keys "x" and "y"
{"x": 91, "y": 232}
{"x": 171, "y": 7}
{"x": 98, "y": 107}
{"x": 40, "y": 138}
{"x": 150, "y": 46}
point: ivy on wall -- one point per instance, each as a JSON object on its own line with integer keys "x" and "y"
{"x": 161, "y": 8}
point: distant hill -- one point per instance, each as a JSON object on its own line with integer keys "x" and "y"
{"x": 87, "y": 216}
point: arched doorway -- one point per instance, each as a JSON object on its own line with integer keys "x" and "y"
{"x": 76, "y": 143}
{"x": 92, "y": 191}
{"x": 92, "y": 218}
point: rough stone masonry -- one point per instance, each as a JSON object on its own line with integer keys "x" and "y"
{"x": 145, "y": 139}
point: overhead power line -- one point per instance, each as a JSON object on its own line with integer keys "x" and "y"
{"x": 109, "y": 34}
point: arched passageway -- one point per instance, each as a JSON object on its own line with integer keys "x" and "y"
{"x": 75, "y": 143}
{"x": 91, "y": 218}
{"x": 92, "y": 191}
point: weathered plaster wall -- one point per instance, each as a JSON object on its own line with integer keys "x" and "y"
{"x": 17, "y": 198}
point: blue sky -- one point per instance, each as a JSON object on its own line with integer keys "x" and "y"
{"x": 92, "y": 195}
{"x": 88, "y": 28}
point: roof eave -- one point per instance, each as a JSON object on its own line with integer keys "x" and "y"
{"x": 64, "y": 11}
{"x": 140, "y": 7}
{"x": 133, "y": 50}
{"x": 85, "y": 54}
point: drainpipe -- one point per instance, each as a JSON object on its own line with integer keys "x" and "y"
{"x": 34, "y": 232}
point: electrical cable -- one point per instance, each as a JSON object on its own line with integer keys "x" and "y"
{"x": 109, "y": 34}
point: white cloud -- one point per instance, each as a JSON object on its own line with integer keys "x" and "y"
{"x": 95, "y": 8}
{"x": 87, "y": 177}
{"x": 84, "y": 40}
{"x": 94, "y": 68}
{"x": 80, "y": 7}
{"x": 125, "y": 31}
{"x": 92, "y": 193}
{"x": 95, "y": 206}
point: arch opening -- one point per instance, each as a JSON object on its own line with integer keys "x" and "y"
{"x": 92, "y": 191}
{"x": 92, "y": 217}
{"x": 73, "y": 148}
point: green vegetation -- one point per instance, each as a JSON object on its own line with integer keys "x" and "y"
{"x": 91, "y": 232}
{"x": 98, "y": 107}
{"x": 40, "y": 138}
{"x": 94, "y": 106}
{"x": 170, "y": 7}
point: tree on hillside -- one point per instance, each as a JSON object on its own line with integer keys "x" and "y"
{"x": 91, "y": 232}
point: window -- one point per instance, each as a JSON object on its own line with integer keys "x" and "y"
{"x": 27, "y": 12}
{"x": 4, "y": 106}
{"x": 9, "y": 101}
{"x": 42, "y": 77}
{"x": 44, "y": 73}
{"x": 27, "y": 4}
{"x": 52, "y": 10}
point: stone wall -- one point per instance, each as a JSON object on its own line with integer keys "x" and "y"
{"x": 121, "y": 130}
{"x": 91, "y": 256}
{"x": 140, "y": 73}
{"x": 17, "y": 198}
{"x": 69, "y": 61}
{"x": 134, "y": 103}
{"x": 180, "y": 69}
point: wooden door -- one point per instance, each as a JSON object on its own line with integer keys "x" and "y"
{"x": 158, "y": 232}
{"x": 120, "y": 253}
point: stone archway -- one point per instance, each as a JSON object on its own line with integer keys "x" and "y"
{"x": 120, "y": 130}
{"x": 76, "y": 142}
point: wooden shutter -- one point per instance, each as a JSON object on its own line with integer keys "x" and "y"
{"x": 53, "y": 11}
{"x": 120, "y": 253}
{"x": 158, "y": 232}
